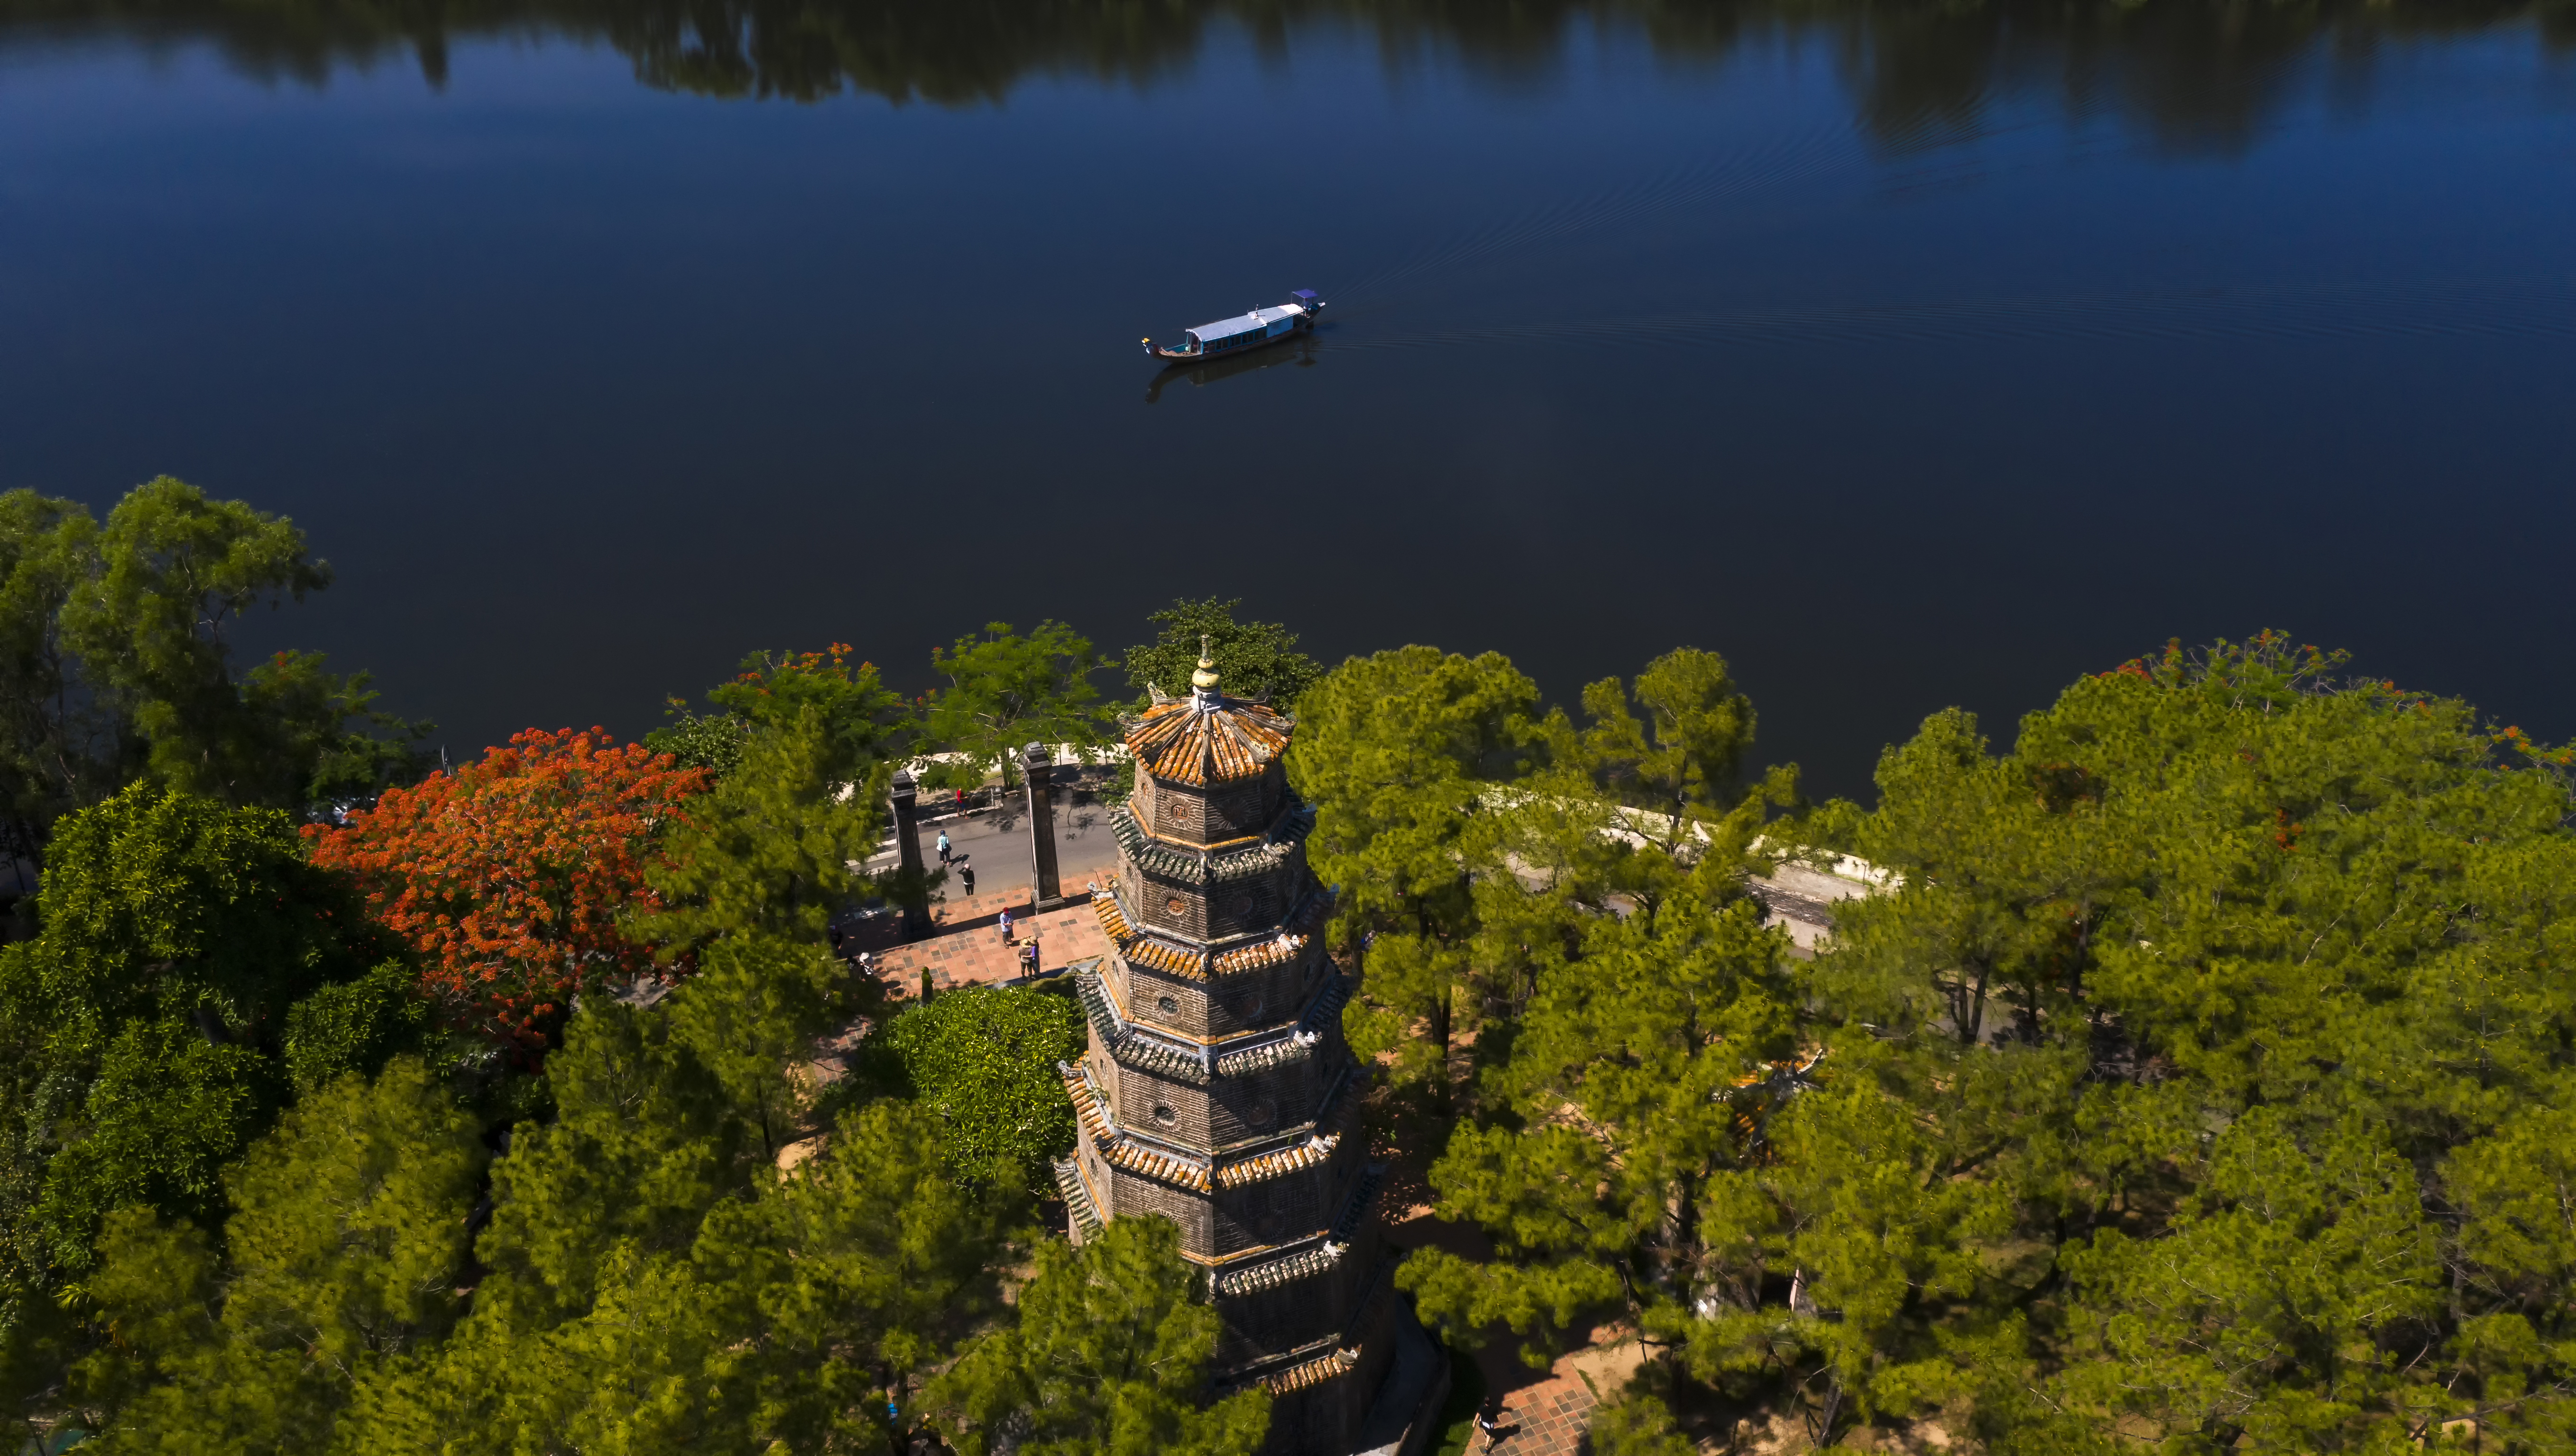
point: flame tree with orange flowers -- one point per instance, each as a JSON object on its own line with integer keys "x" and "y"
{"x": 509, "y": 877}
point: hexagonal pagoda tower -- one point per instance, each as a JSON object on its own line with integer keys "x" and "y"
{"x": 1217, "y": 1090}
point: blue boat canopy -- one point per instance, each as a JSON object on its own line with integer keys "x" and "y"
{"x": 1305, "y": 296}
{"x": 1256, "y": 322}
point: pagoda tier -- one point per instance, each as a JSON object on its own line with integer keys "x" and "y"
{"x": 1217, "y": 1090}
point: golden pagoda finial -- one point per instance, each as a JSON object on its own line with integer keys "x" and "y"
{"x": 1205, "y": 677}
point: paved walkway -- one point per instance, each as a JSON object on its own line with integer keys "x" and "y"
{"x": 965, "y": 947}
{"x": 1546, "y": 1419}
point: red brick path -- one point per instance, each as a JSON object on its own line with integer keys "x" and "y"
{"x": 1546, "y": 1419}
{"x": 965, "y": 947}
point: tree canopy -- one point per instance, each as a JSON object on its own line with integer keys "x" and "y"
{"x": 983, "y": 1060}
{"x": 510, "y": 876}
{"x": 1253, "y": 659}
{"x": 2200, "y": 1077}
{"x": 2199, "y": 1083}
{"x": 116, "y": 662}
{"x": 1006, "y": 691}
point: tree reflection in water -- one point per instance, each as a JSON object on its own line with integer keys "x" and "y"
{"x": 2195, "y": 74}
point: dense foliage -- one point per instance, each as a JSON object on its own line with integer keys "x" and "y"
{"x": 1252, "y": 659}
{"x": 2201, "y": 1080}
{"x": 510, "y": 877}
{"x": 1006, "y": 691}
{"x": 983, "y": 1061}
{"x": 2200, "y": 1074}
{"x": 116, "y": 663}
{"x": 148, "y": 1033}
{"x": 501, "y": 1115}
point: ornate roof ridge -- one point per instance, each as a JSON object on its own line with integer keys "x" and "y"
{"x": 1341, "y": 1360}
{"x": 1150, "y": 949}
{"x": 1309, "y": 1258}
{"x": 1200, "y": 1175}
{"x": 1195, "y": 864}
{"x": 1129, "y": 1046}
{"x": 1337, "y": 1354}
{"x": 1077, "y": 1195}
{"x": 1207, "y": 738}
{"x": 1307, "y": 1262}
{"x": 1300, "y": 1042}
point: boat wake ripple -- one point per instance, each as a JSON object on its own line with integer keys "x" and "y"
{"x": 2531, "y": 306}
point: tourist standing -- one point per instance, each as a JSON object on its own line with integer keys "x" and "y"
{"x": 943, "y": 846}
{"x": 966, "y": 873}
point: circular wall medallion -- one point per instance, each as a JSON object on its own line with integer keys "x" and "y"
{"x": 1174, "y": 905}
{"x": 1240, "y": 906}
{"x": 1167, "y": 1006}
{"x": 1263, "y": 1112}
{"x": 1164, "y": 1116}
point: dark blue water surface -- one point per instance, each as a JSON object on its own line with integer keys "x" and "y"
{"x": 1907, "y": 359}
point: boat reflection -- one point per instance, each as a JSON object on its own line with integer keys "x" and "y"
{"x": 1301, "y": 353}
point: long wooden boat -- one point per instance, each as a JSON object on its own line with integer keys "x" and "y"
{"x": 1243, "y": 331}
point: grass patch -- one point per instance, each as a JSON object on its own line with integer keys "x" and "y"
{"x": 1458, "y": 1415}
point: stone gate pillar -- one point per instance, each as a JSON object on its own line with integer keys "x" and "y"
{"x": 907, "y": 847}
{"x": 1038, "y": 769}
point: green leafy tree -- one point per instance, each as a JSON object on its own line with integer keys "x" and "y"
{"x": 1636, "y": 1078}
{"x": 807, "y": 1308}
{"x": 769, "y": 852}
{"x": 1006, "y": 691}
{"x": 711, "y": 741}
{"x": 865, "y": 1269}
{"x": 146, "y": 1018}
{"x": 645, "y": 1141}
{"x": 749, "y": 1018}
{"x": 1109, "y": 1355}
{"x": 116, "y": 663}
{"x": 345, "y": 1245}
{"x": 357, "y": 1026}
{"x": 2184, "y": 1050}
{"x": 983, "y": 1061}
{"x": 175, "y": 571}
{"x": 1397, "y": 752}
{"x": 1253, "y": 659}
{"x": 1637, "y": 1424}
{"x": 59, "y": 747}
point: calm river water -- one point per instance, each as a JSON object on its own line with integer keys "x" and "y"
{"x": 1907, "y": 354}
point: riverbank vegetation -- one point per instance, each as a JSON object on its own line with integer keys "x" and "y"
{"x": 2201, "y": 1075}
{"x": 2204, "y": 1078}
{"x": 347, "y": 1106}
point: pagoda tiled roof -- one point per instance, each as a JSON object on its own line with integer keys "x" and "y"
{"x": 1313, "y": 1372}
{"x": 1333, "y": 1355}
{"x": 1213, "y": 866}
{"x": 1144, "y": 1053}
{"x": 1298, "y": 1045}
{"x": 1077, "y": 1195}
{"x": 1152, "y": 951}
{"x": 1208, "y": 738}
{"x": 1311, "y": 1259}
{"x": 1199, "y": 1175}
{"x": 1304, "y": 1264}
